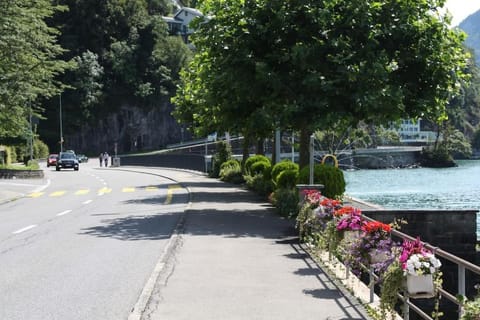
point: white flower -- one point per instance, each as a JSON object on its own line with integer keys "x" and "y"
{"x": 419, "y": 264}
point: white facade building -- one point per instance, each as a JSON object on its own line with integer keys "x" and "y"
{"x": 410, "y": 132}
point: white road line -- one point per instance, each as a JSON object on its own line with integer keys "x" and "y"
{"x": 63, "y": 213}
{"x": 87, "y": 202}
{"x": 24, "y": 229}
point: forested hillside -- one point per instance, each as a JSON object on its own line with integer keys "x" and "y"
{"x": 125, "y": 69}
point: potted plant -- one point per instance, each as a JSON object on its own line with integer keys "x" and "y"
{"x": 420, "y": 267}
{"x": 349, "y": 222}
{"x": 374, "y": 248}
{"x": 314, "y": 214}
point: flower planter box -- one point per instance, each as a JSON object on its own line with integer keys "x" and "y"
{"x": 420, "y": 286}
{"x": 377, "y": 256}
{"x": 350, "y": 236}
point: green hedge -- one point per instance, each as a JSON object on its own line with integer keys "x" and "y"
{"x": 251, "y": 160}
{"x": 279, "y": 167}
{"x": 331, "y": 177}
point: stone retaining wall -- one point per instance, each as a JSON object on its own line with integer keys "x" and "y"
{"x": 21, "y": 174}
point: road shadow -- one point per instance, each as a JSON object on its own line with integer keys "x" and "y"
{"x": 150, "y": 227}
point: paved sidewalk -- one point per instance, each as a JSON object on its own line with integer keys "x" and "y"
{"x": 236, "y": 259}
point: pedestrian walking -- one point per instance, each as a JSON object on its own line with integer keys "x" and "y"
{"x": 100, "y": 158}
{"x": 105, "y": 158}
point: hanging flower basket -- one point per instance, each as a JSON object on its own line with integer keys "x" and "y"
{"x": 378, "y": 256}
{"x": 350, "y": 236}
{"x": 420, "y": 286}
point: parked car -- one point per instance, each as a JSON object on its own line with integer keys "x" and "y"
{"x": 67, "y": 160}
{"x": 52, "y": 159}
{"x": 82, "y": 158}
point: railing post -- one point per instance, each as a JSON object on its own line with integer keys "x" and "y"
{"x": 461, "y": 287}
{"x": 406, "y": 308}
{"x": 311, "y": 164}
{"x": 371, "y": 284}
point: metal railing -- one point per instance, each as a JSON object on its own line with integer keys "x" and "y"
{"x": 462, "y": 266}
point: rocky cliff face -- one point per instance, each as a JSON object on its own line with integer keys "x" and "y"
{"x": 131, "y": 129}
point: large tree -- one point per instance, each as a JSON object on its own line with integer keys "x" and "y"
{"x": 29, "y": 63}
{"x": 305, "y": 64}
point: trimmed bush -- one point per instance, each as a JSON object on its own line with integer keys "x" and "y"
{"x": 231, "y": 171}
{"x": 251, "y": 160}
{"x": 223, "y": 154}
{"x": 287, "y": 179}
{"x": 331, "y": 177}
{"x": 261, "y": 167}
{"x": 286, "y": 201}
{"x": 259, "y": 184}
{"x": 282, "y": 166}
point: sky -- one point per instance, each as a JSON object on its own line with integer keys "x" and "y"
{"x": 460, "y": 9}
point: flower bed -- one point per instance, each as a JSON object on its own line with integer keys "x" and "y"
{"x": 325, "y": 224}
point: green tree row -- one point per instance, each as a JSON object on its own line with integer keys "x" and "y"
{"x": 305, "y": 65}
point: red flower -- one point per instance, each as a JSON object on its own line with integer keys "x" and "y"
{"x": 376, "y": 226}
{"x": 347, "y": 210}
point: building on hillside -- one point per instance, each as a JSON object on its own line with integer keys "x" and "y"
{"x": 179, "y": 24}
{"x": 411, "y": 132}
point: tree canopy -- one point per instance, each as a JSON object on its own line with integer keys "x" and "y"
{"x": 302, "y": 65}
{"x": 29, "y": 62}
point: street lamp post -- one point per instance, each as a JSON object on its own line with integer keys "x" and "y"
{"x": 61, "y": 125}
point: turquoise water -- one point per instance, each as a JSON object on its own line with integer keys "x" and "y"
{"x": 419, "y": 188}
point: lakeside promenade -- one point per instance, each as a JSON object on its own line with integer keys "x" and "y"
{"x": 233, "y": 257}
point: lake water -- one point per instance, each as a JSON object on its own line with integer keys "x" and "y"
{"x": 419, "y": 188}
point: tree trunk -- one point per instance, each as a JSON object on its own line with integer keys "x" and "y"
{"x": 261, "y": 146}
{"x": 245, "y": 149}
{"x": 304, "y": 152}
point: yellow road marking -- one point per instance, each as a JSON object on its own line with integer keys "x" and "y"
{"x": 170, "y": 190}
{"x": 128, "y": 189}
{"x": 57, "y": 193}
{"x": 104, "y": 190}
{"x": 35, "y": 194}
{"x": 150, "y": 188}
{"x": 82, "y": 191}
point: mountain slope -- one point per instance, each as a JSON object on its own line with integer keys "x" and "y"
{"x": 471, "y": 25}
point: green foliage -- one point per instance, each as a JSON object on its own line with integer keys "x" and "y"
{"x": 251, "y": 160}
{"x": 419, "y": 61}
{"x": 261, "y": 167}
{"x": 285, "y": 201}
{"x": 287, "y": 179}
{"x": 32, "y": 165}
{"x": 260, "y": 184}
{"x": 223, "y": 154}
{"x": 124, "y": 57}
{"x": 476, "y": 140}
{"x": 282, "y": 166}
{"x": 471, "y": 308}
{"x": 437, "y": 158}
{"x": 9, "y": 156}
{"x": 29, "y": 61}
{"x": 331, "y": 177}
{"x": 40, "y": 149}
{"x": 392, "y": 282}
{"x": 231, "y": 171}
{"x": 458, "y": 145}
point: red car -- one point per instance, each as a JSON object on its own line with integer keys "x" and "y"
{"x": 52, "y": 159}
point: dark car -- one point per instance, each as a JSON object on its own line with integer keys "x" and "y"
{"x": 52, "y": 159}
{"x": 67, "y": 160}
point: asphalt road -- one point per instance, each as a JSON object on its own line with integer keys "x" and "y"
{"x": 83, "y": 243}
